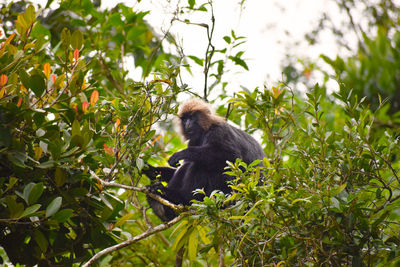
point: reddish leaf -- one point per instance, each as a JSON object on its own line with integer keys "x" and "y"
{"x": 85, "y": 106}
{"x": 109, "y": 150}
{"x": 76, "y": 54}
{"x": 94, "y": 97}
{"x": 47, "y": 69}
{"x": 3, "y": 80}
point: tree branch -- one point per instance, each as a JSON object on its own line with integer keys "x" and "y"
{"x": 104, "y": 67}
{"x": 209, "y": 52}
{"x": 355, "y": 27}
{"x": 178, "y": 208}
{"x": 132, "y": 240}
{"x": 210, "y": 47}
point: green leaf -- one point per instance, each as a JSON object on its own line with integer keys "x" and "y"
{"x": 78, "y": 140}
{"x": 227, "y": 39}
{"x": 11, "y": 183}
{"x": 106, "y": 202}
{"x": 30, "y": 14}
{"x": 17, "y": 158}
{"x": 236, "y": 217}
{"x": 41, "y": 240}
{"x": 300, "y": 200}
{"x": 40, "y": 40}
{"x": 240, "y": 62}
{"x": 46, "y": 164}
{"x": 179, "y": 227}
{"x": 140, "y": 163}
{"x": 78, "y": 192}
{"x": 27, "y": 191}
{"x": 25, "y": 79}
{"x": 63, "y": 215}
{"x": 60, "y": 176}
{"x": 150, "y": 134}
{"x": 37, "y": 84}
{"x": 115, "y": 20}
{"x": 54, "y": 206}
{"x": 77, "y": 39}
{"x": 192, "y": 245}
{"x": 76, "y": 82}
{"x": 328, "y": 60}
{"x": 203, "y": 8}
{"x": 203, "y": 235}
{"x": 233, "y": 34}
{"x": 34, "y": 193}
{"x": 15, "y": 208}
{"x": 40, "y": 30}
{"x": 239, "y": 54}
{"x": 5, "y": 137}
{"x": 179, "y": 240}
{"x": 65, "y": 37}
{"x": 196, "y": 60}
{"x": 123, "y": 219}
{"x": 135, "y": 32}
{"x": 254, "y": 163}
{"x": 337, "y": 190}
{"x": 30, "y": 210}
{"x": 191, "y": 3}
{"x": 76, "y": 128}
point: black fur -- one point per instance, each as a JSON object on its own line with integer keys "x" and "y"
{"x": 203, "y": 164}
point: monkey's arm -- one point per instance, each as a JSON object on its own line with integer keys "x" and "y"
{"x": 164, "y": 173}
{"x": 206, "y": 155}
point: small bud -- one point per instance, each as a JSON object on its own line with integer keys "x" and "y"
{"x": 76, "y": 54}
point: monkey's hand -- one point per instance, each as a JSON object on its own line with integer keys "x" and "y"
{"x": 156, "y": 188}
{"x": 151, "y": 172}
{"x": 175, "y": 158}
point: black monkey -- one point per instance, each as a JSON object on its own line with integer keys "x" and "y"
{"x": 212, "y": 142}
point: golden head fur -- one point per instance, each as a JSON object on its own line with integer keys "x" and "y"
{"x": 206, "y": 116}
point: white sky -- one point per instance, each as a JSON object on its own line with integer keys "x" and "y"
{"x": 262, "y": 22}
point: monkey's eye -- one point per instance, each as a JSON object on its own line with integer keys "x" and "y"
{"x": 185, "y": 118}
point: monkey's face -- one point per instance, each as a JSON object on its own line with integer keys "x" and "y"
{"x": 190, "y": 125}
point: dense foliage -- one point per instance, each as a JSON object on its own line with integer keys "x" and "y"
{"x": 329, "y": 197}
{"x": 67, "y": 108}
{"x": 76, "y": 131}
{"x": 375, "y": 71}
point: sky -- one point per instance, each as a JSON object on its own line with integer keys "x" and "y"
{"x": 263, "y": 23}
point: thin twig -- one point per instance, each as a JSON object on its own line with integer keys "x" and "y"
{"x": 132, "y": 240}
{"x": 178, "y": 208}
{"x": 106, "y": 70}
{"x": 229, "y": 110}
{"x": 355, "y": 27}
{"x": 221, "y": 254}
{"x": 66, "y": 85}
{"x": 210, "y": 47}
{"x": 209, "y": 54}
